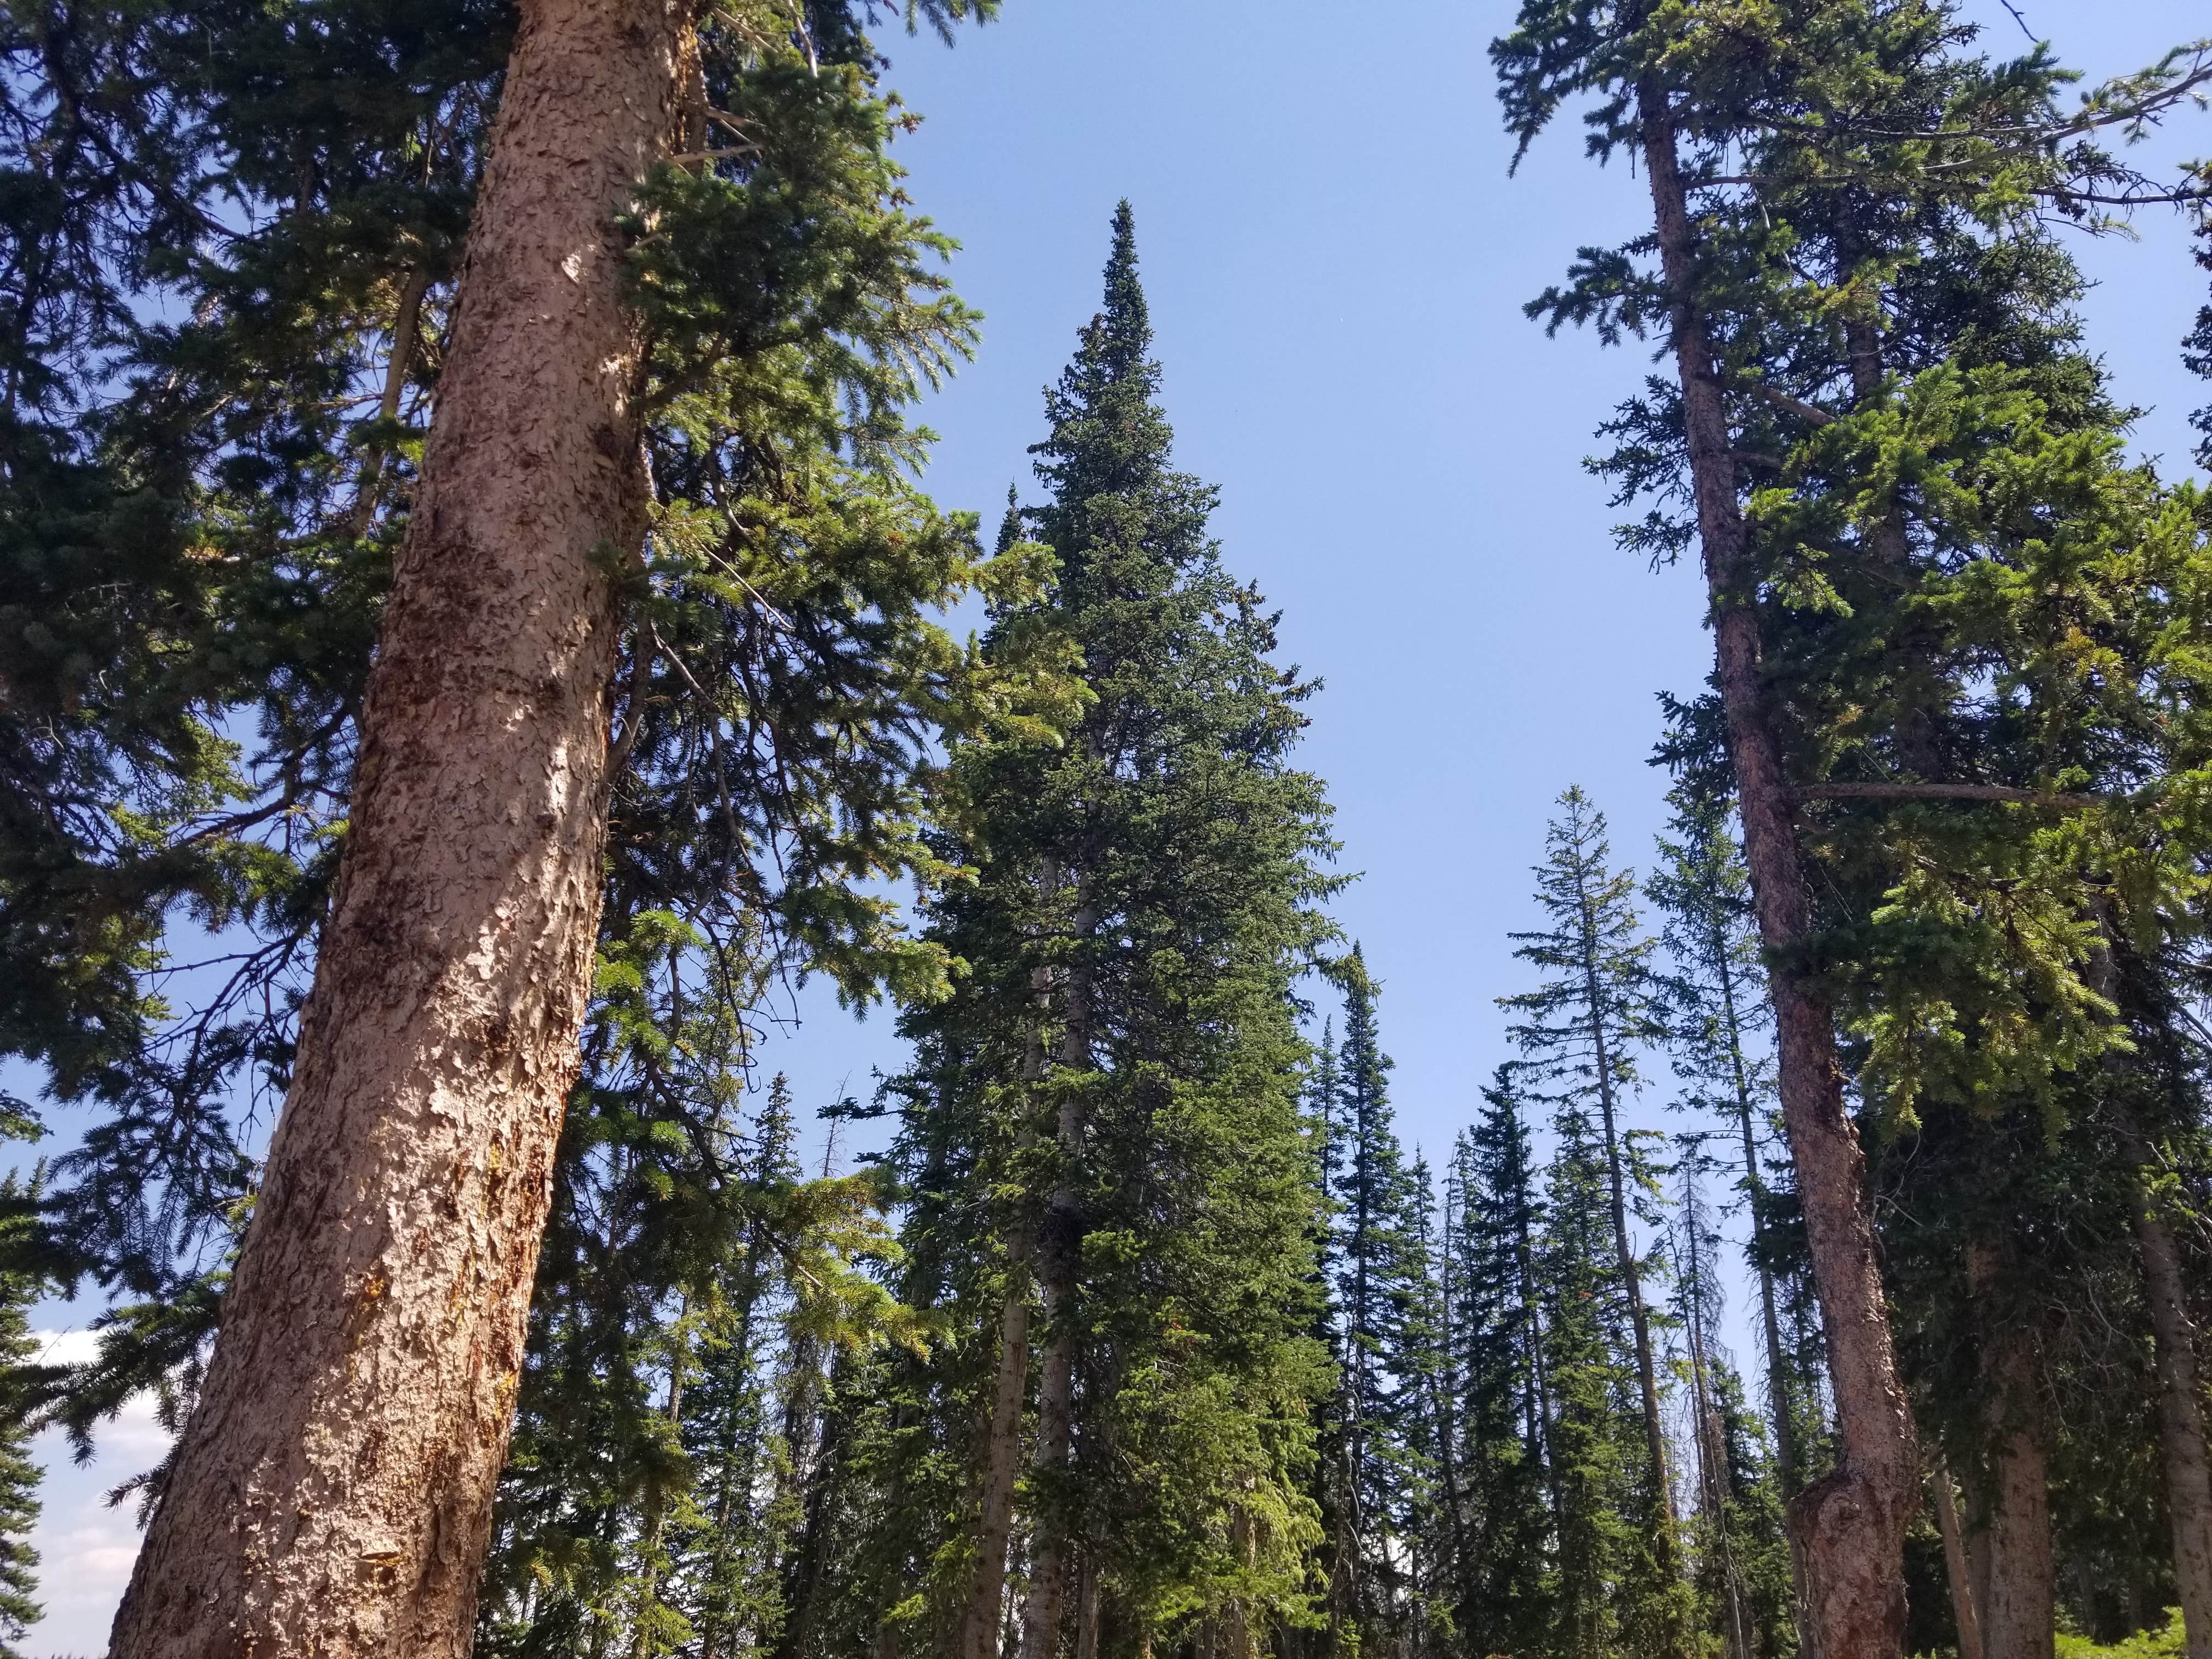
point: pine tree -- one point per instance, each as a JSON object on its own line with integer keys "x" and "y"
{"x": 1579, "y": 1032}
{"x": 1821, "y": 222}
{"x": 1713, "y": 1005}
{"x": 1380, "y": 1259}
{"x": 212, "y": 553}
{"x": 1505, "y": 1601}
{"x": 1112, "y": 1091}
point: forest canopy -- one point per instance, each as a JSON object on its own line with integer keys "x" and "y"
{"x": 475, "y": 633}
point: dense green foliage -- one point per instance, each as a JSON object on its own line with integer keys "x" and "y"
{"x": 1116, "y": 1077}
{"x": 1258, "y": 1380}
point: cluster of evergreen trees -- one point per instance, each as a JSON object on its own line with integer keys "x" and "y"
{"x": 469, "y": 628}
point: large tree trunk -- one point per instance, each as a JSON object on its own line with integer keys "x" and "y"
{"x": 1849, "y": 1526}
{"x": 331, "y": 1494}
{"x": 2180, "y": 1417}
{"x": 2014, "y": 1597}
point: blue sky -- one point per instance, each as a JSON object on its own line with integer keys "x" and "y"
{"x": 1336, "y": 260}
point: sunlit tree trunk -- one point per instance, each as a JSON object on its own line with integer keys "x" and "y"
{"x": 332, "y": 1493}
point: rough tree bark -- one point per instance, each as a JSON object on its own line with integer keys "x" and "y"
{"x": 332, "y": 1493}
{"x": 1849, "y": 1526}
{"x": 2014, "y": 1597}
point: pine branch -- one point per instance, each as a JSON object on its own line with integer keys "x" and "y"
{"x": 1993, "y": 792}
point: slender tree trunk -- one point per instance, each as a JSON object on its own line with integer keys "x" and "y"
{"x": 809, "y": 1567}
{"x": 1442, "y": 1391}
{"x": 1639, "y": 1318}
{"x": 1849, "y": 1526}
{"x": 2181, "y": 1417}
{"x": 1964, "y": 1612}
{"x": 1089, "y": 1602}
{"x": 1532, "y": 1323}
{"x": 2014, "y": 1600}
{"x": 1711, "y": 1441}
{"x": 1781, "y": 1402}
{"x": 979, "y": 1634}
{"x": 406, "y": 325}
{"x": 979, "y": 1630}
{"x": 332, "y": 1491}
{"x": 1667, "y": 1547}
{"x": 1059, "y": 1260}
{"x": 2173, "y": 1335}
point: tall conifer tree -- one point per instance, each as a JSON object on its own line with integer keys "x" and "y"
{"x": 1579, "y": 1033}
{"x": 1119, "y": 1072}
{"x": 1380, "y": 1259}
{"x": 1504, "y": 1406}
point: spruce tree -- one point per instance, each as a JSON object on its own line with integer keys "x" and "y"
{"x": 203, "y": 566}
{"x": 1713, "y": 1004}
{"x": 1379, "y": 1258}
{"x": 1821, "y": 220}
{"x": 1111, "y": 1095}
{"x": 1579, "y": 1033}
{"x": 1504, "y": 1406}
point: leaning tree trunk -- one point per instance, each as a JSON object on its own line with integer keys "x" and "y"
{"x": 1963, "y": 1614}
{"x": 1849, "y": 1526}
{"x": 332, "y": 1493}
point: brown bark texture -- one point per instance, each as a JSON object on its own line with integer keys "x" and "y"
{"x": 2014, "y": 1596}
{"x": 2180, "y": 1417}
{"x": 332, "y": 1493}
{"x": 1849, "y": 1526}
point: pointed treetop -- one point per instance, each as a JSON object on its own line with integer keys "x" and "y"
{"x": 1125, "y": 328}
